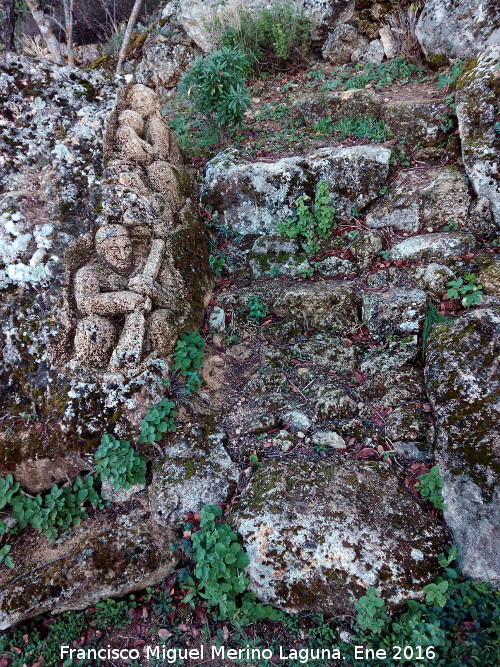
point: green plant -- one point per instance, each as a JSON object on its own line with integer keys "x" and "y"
{"x": 220, "y": 572}
{"x": 257, "y": 309}
{"x": 311, "y": 223}
{"x": 364, "y": 128}
{"x": 435, "y": 593}
{"x": 429, "y": 486}
{"x": 62, "y": 508}
{"x": 451, "y": 77}
{"x": 217, "y": 262}
{"x": 467, "y": 288}
{"x": 450, "y": 226}
{"x": 159, "y": 419}
{"x": 306, "y": 270}
{"x": 371, "y": 610}
{"x": 385, "y": 254}
{"x": 4, "y": 556}
{"x": 385, "y": 74}
{"x": 119, "y": 464}
{"x": 432, "y": 317}
{"x": 113, "y": 613}
{"x": 217, "y": 84}
{"x": 271, "y": 36}
{"x": 188, "y": 357}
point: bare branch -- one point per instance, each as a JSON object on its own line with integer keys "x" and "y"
{"x": 46, "y": 31}
{"x": 128, "y": 34}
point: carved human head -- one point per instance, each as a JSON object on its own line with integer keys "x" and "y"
{"x": 113, "y": 245}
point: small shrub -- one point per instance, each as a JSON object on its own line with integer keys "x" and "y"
{"x": 220, "y": 572}
{"x": 159, "y": 419}
{"x": 271, "y": 37}
{"x": 311, "y": 223}
{"x": 119, "y": 464}
{"x": 429, "y": 486}
{"x": 402, "y": 23}
{"x": 364, "y": 128}
{"x": 217, "y": 84}
{"x": 392, "y": 71}
{"x": 217, "y": 262}
{"x": 258, "y": 310}
{"x": 467, "y": 288}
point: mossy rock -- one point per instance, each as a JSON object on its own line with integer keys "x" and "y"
{"x": 317, "y": 534}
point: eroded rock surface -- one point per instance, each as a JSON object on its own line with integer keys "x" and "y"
{"x": 252, "y": 198}
{"x": 462, "y": 379}
{"x": 317, "y": 534}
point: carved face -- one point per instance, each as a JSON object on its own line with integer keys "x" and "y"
{"x": 117, "y": 252}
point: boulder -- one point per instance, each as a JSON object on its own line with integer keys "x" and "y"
{"x": 372, "y": 52}
{"x": 489, "y": 278}
{"x": 197, "y": 471}
{"x": 318, "y": 534}
{"x": 196, "y": 16}
{"x": 398, "y": 311}
{"x": 416, "y": 121}
{"x": 341, "y": 43}
{"x": 458, "y": 28}
{"x": 434, "y": 246}
{"x": 462, "y": 379}
{"x": 113, "y": 553}
{"x": 251, "y": 198}
{"x": 335, "y": 104}
{"x": 416, "y": 200}
{"x": 477, "y": 101}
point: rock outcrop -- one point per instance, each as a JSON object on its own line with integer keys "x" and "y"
{"x": 252, "y": 198}
{"x": 462, "y": 379}
{"x": 104, "y": 266}
{"x": 478, "y": 108}
{"x": 458, "y": 28}
{"x": 317, "y": 534}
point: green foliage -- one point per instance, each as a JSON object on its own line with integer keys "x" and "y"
{"x": 119, "y": 464}
{"x": 435, "y": 593}
{"x": 217, "y": 84}
{"x": 217, "y": 262}
{"x": 62, "y": 508}
{"x": 220, "y": 572}
{"x": 271, "y": 37}
{"x": 159, "y": 419}
{"x": 258, "y": 310}
{"x": 364, "y": 128}
{"x": 313, "y": 223}
{"x": 451, "y": 77}
{"x": 429, "y": 486}
{"x": 467, "y": 288}
{"x": 372, "y": 613}
{"x": 4, "y": 556}
{"x": 385, "y": 74}
{"x": 432, "y": 317}
{"x": 188, "y": 357}
{"x": 113, "y": 613}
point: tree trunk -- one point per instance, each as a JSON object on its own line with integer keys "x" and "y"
{"x": 8, "y": 25}
{"x": 68, "y": 24}
{"x": 46, "y": 31}
{"x": 128, "y": 34}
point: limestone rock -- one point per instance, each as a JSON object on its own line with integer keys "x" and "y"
{"x": 251, "y": 198}
{"x": 416, "y": 120}
{"x": 326, "y": 351}
{"x": 369, "y": 53}
{"x": 296, "y": 420}
{"x": 197, "y": 471}
{"x": 477, "y": 101}
{"x": 489, "y": 278}
{"x": 434, "y": 276}
{"x": 415, "y": 201}
{"x": 322, "y": 305}
{"x": 341, "y": 43}
{"x": 113, "y": 553}
{"x": 458, "y": 28}
{"x": 328, "y": 438}
{"x": 317, "y": 534}
{"x": 335, "y": 266}
{"x": 462, "y": 379}
{"x": 163, "y": 63}
{"x": 262, "y": 423}
{"x": 358, "y": 103}
{"x": 334, "y": 403}
{"x": 434, "y": 246}
{"x": 398, "y": 312}
{"x": 366, "y": 248}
